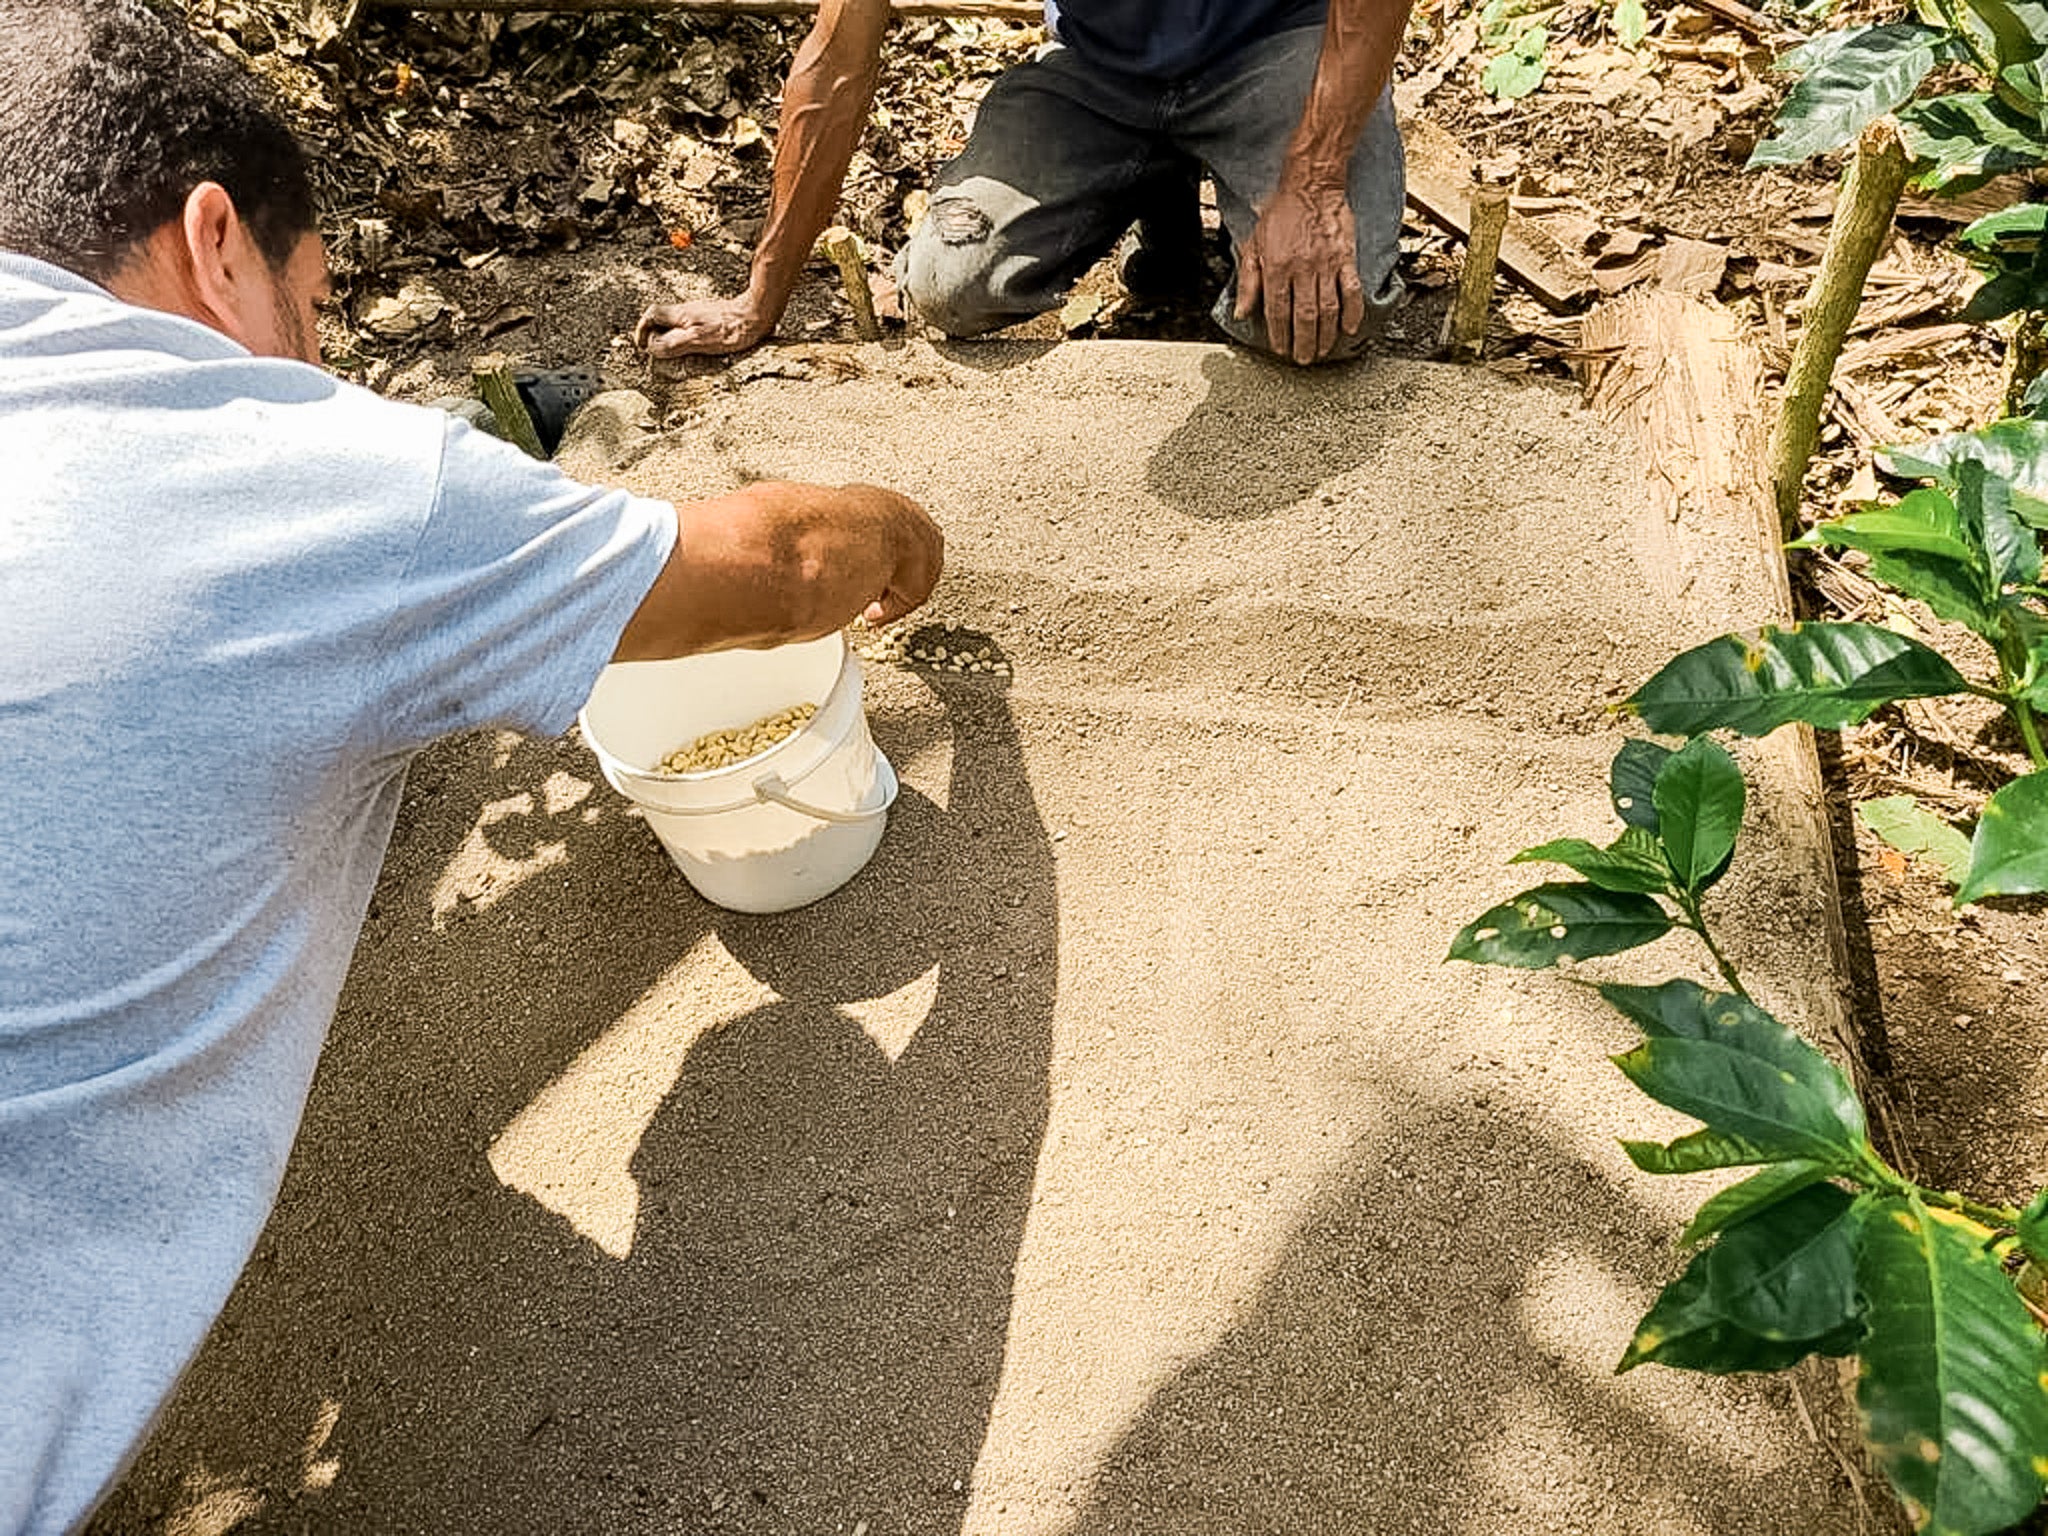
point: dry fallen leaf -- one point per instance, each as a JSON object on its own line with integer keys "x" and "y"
{"x": 507, "y": 317}
{"x": 702, "y": 169}
{"x": 413, "y": 309}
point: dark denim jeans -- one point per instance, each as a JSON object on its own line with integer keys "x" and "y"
{"x": 1065, "y": 157}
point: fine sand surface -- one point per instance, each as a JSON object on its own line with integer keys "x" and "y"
{"x": 1116, "y": 1153}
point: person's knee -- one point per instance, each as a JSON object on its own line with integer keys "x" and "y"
{"x": 948, "y": 267}
{"x": 959, "y": 269}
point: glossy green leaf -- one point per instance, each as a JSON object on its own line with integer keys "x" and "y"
{"x": 2034, "y": 1228}
{"x": 2007, "y": 247}
{"x": 1984, "y": 507}
{"x": 1632, "y": 862}
{"x": 1699, "y": 797}
{"x": 2008, "y": 252}
{"x": 1793, "y": 1081}
{"x": 2009, "y": 853}
{"x": 1954, "y": 592}
{"x": 1550, "y": 922}
{"x": 1951, "y": 1388}
{"x": 1686, "y": 1330}
{"x": 1804, "y": 1110}
{"x": 1922, "y": 546}
{"x": 2015, "y": 450}
{"x": 1924, "y": 521}
{"x": 1631, "y": 22}
{"x": 2020, "y": 221}
{"x": 2022, "y": 86}
{"x": 1520, "y": 69}
{"x": 1969, "y": 136}
{"x": 1788, "y": 1271}
{"x": 1747, "y": 1077}
{"x": 1918, "y": 833}
{"x": 2018, "y": 29}
{"x": 1856, "y": 79}
{"x": 1695, "y": 1153}
{"x": 1814, "y": 54}
{"x": 1764, "y": 1188}
{"x": 2007, "y": 293}
{"x": 2014, "y": 547}
{"x": 1678, "y": 1009}
{"x": 1684, "y": 1010}
{"x": 1633, "y": 779}
{"x": 1826, "y": 674}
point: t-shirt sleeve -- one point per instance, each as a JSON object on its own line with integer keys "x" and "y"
{"x": 515, "y": 596}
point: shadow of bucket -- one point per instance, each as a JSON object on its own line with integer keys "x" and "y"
{"x": 782, "y": 828}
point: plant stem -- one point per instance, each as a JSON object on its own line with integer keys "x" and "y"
{"x": 1871, "y": 185}
{"x": 2030, "y": 731}
{"x": 1689, "y": 906}
{"x": 1949, "y": 1200}
{"x": 1996, "y": 695}
{"x": 2013, "y": 668}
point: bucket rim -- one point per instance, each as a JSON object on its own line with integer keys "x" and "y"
{"x": 621, "y": 773}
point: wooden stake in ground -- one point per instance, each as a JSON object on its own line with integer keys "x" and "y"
{"x": 493, "y": 376}
{"x": 1440, "y": 190}
{"x": 1862, "y": 223}
{"x": 1465, "y": 327}
{"x": 843, "y": 246}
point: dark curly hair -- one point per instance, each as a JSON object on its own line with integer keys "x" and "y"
{"x": 110, "y": 115}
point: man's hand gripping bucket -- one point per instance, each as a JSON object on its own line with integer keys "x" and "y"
{"x": 778, "y": 830}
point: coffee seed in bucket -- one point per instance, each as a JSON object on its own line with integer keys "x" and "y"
{"x": 721, "y": 749}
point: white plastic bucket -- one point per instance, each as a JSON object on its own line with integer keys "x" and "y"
{"x": 784, "y": 827}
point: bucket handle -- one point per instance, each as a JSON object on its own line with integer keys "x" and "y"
{"x": 770, "y": 787}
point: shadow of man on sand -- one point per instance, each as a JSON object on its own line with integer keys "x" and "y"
{"x": 1215, "y": 465}
{"x": 803, "y": 1325}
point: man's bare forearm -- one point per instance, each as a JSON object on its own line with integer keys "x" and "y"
{"x": 824, "y": 104}
{"x": 1361, "y": 41}
{"x": 776, "y": 561}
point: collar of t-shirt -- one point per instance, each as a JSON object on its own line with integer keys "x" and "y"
{"x": 40, "y": 299}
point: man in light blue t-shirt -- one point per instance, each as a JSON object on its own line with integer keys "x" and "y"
{"x": 236, "y": 597}
{"x": 1283, "y": 103}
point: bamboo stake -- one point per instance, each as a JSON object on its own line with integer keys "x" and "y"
{"x": 1465, "y": 327}
{"x": 843, "y": 246}
{"x": 999, "y": 10}
{"x": 493, "y": 376}
{"x": 1863, "y": 220}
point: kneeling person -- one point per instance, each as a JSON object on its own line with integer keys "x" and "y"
{"x": 1285, "y": 103}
